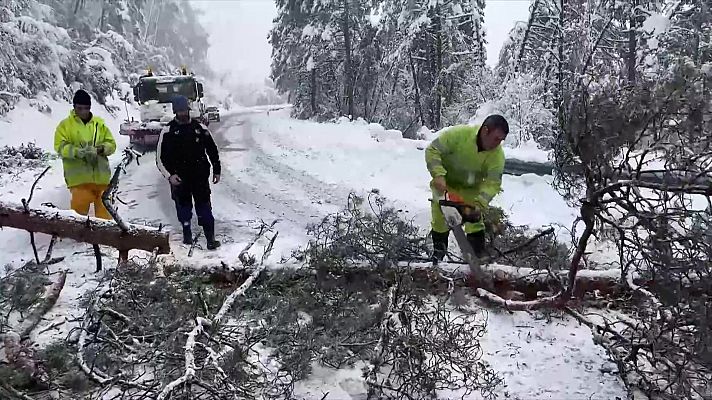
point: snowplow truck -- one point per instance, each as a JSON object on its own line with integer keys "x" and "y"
{"x": 153, "y": 94}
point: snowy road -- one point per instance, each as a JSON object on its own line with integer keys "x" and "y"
{"x": 254, "y": 186}
{"x": 266, "y": 187}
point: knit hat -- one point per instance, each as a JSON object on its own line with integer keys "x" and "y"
{"x": 180, "y": 103}
{"x": 81, "y": 97}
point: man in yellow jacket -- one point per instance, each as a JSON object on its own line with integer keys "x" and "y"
{"x": 84, "y": 142}
{"x": 467, "y": 161}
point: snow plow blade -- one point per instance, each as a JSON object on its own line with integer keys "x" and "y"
{"x": 142, "y": 133}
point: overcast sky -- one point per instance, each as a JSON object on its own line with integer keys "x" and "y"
{"x": 238, "y": 33}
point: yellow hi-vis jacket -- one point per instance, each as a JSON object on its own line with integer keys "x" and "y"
{"x": 73, "y": 134}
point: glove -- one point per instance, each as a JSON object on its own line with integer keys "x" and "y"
{"x": 471, "y": 214}
{"x": 174, "y": 180}
{"x": 100, "y": 149}
{"x": 87, "y": 153}
{"x": 439, "y": 184}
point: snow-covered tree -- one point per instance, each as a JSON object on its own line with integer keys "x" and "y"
{"x": 440, "y": 45}
{"x": 630, "y": 83}
{"x": 50, "y": 45}
{"x": 403, "y": 64}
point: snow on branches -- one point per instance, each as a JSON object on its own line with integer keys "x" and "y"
{"x": 53, "y": 46}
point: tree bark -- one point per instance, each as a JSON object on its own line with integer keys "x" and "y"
{"x": 439, "y": 69}
{"x": 632, "y": 44}
{"x": 312, "y": 92}
{"x": 348, "y": 62}
{"x": 418, "y": 107}
{"x": 523, "y": 46}
{"x": 83, "y": 229}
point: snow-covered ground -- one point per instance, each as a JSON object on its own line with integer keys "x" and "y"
{"x": 298, "y": 171}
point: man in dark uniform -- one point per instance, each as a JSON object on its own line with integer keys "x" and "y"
{"x": 186, "y": 150}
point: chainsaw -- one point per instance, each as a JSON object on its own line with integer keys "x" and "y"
{"x": 457, "y": 213}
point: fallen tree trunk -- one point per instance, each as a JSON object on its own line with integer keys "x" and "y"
{"x": 513, "y": 166}
{"x": 530, "y": 282}
{"x": 70, "y": 225}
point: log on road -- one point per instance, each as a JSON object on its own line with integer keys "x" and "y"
{"x": 513, "y": 166}
{"x": 698, "y": 182}
{"x": 68, "y": 224}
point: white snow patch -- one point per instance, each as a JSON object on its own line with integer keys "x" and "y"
{"x": 527, "y": 151}
{"x": 655, "y": 25}
{"x": 547, "y": 360}
{"x": 707, "y": 69}
{"x": 375, "y": 19}
{"x": 327, "y": 33}
{"x": 102, "y": 58}
{"x": 309, "y": 31}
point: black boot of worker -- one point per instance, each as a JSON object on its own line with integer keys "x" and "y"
{"x": 207, "y": 221}
{"x": 209, "y": 230}
{"x": 440, "y": 242}
{"x": 187, "y": 235}
{"x": 477, "y": 241}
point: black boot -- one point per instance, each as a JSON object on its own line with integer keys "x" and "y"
{"x": 209, "y": 230}
{"x": 440, "y": 242}
{"x": 477, "y": 241}
{"x": 187, "y": 235}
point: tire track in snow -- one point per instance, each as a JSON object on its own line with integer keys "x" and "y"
{"x": 265, "y": 187}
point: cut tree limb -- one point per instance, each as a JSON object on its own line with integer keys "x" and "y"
{"x": 17, "y": 351}
{"x": 515, "y": 305}
{"x": 378, "y": 351}
{"x": 230, "y": 300}
{"x": 107, "y": 198}
{"x": 49, "y": 299}
{"x": 201, "y": 324}
{"x": 190, "y": 367}
{"x": 70, "y": 225}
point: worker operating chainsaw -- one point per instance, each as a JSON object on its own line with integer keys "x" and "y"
{"x": 466, "y": 163}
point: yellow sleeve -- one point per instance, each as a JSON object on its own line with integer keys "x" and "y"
{"x": 108, "y": 142}
{"x": 492, "y": 184}
{"x": 62, "y": 144}
{"x": 443, "y": 146}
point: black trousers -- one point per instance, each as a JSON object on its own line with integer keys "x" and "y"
{"x": 193, "y": 191}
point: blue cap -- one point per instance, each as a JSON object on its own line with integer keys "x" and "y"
{"x": 180, "y": 103}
